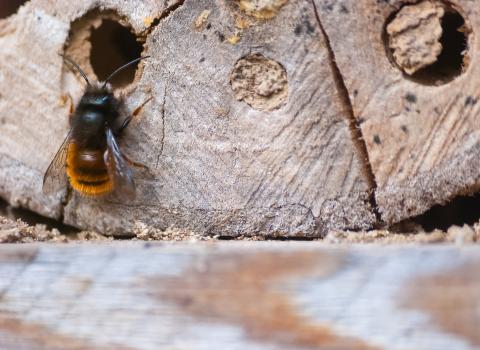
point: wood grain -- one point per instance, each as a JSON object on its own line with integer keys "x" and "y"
{"x": 217, "y": 164}
{"x": 237, "y": 296}
{"x": 422, "y": 140}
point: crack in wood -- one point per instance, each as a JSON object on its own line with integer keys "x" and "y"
{"x": 164, "y": 14}
{"x": 162, "y": 141}
{"x": 353, "y": 123}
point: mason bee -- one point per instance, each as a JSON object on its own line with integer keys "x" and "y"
{"x": 90, "y": 159}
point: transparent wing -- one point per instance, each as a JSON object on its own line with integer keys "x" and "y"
{"x": 118, "y": 169}
{"x": 55, "y": 178}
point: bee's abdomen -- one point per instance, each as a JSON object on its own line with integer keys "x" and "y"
{"x": 87, "y": 171}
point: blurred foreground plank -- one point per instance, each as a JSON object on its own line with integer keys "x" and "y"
{"x": 246, "y": 295}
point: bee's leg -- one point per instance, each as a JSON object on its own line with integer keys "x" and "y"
{"x": 135, "y": 112}
{"x": 67, "y": 98}
{"x": 133, "y": 163}
{"x": 125, "y": 123}
{"x": 72, "y": 105}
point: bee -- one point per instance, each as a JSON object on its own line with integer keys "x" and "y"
{"x": 90, "y": 159}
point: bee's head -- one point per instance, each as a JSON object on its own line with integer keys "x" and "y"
{"x": 98, "y": 96}
{"x": 99, "y": 99}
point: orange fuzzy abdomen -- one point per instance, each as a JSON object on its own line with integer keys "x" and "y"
{"x": 87, "y": 171}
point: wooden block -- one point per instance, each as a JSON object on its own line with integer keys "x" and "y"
{"x": 246, "y": 132}
{"x": 238, "y": 296}
{"x": 421, "y": 131}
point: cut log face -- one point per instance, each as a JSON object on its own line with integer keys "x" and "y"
{"x": 246, "y": 131}
{"x": 421, "y": 132}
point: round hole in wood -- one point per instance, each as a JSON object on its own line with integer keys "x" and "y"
{"x": 114, "y": 45}
{"x": 428, "y": 42}
{"x": 260, "y": 81}
{"x": 101, "y": 41}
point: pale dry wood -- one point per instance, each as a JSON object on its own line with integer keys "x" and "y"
{"x": 423, "y": 141}
{"x": 217, "y": 165}
{"x": 238, "y": 296}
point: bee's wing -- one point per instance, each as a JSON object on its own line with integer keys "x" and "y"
{"x": 118, "y": 169}
{"x": 55, "y": 178}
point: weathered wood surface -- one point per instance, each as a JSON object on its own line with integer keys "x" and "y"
{"x": 422, "y": 140}
{"x": 238, "y": 296}
{"x": 283, "y": 162}
{"x": 267, "y": 145}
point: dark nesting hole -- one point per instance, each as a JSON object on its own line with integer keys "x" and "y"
{"x": 9, "y": 7}
{"x": 460, "y": 211}
{"x": 114, "y": 45}
{"x": 453, "y": 59}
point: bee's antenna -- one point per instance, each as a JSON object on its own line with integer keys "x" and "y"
{"x": 77, "y": 67}
{"x": 122, "y": 68}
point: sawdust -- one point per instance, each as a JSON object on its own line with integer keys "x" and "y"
{"x": 144, "y": 232}
{"x": 202, "y": 20}
{"x": 234, "y": 39}
{"x": 17, "y": 231}
{"x": 455, "y": 234}
{"x": 12, "y": 231}
{"x": 91, "y": 236}
{"x": 259, "y": 81}
{"x": 412, "y": 234}
{"x": 261, "y": 9}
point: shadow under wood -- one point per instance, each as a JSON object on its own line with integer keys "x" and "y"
{"x": 459, "y": 211}
{"x": 32, "y": 219}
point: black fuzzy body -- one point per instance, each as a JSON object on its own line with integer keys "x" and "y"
{"x": 96, "y": 111}
{"x": 87, "y": 166}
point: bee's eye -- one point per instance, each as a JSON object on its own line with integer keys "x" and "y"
{"x": 101, "y": 100}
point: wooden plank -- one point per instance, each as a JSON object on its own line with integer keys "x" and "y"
{"x": 422, "y": 139}
{"x": 224, "y": 158}
{"x": 238, "y": 296}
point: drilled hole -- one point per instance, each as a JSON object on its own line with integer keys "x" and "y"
{"x": 450, "y": 63}
{"x": 114, "y": 45}
{"x": 460, "y": 211}
{"x": 9, "y": 7}
{"x": 423, "y": 57}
